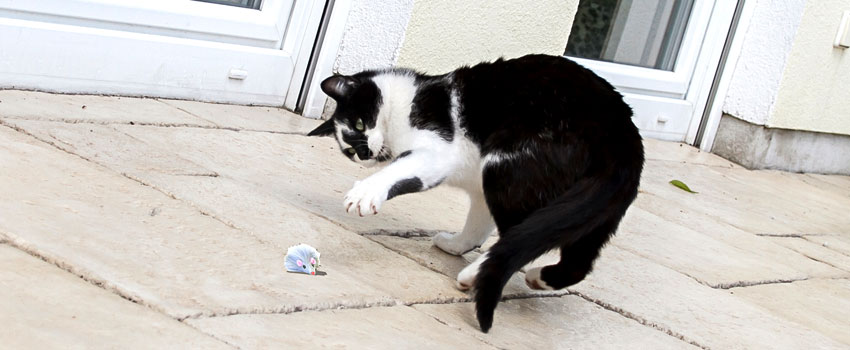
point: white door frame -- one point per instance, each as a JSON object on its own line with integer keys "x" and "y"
{"x": 328, "y": 49}
{"x": 714, "y": 103}
{"x": 177, "y": 49}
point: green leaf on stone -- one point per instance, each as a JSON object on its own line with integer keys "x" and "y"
{"x": 681, "y": 185}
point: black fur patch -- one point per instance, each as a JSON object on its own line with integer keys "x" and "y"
{"x": 405, "y": 186}
{"x": 403, "y": 154}
{"x": 432, "y": 108}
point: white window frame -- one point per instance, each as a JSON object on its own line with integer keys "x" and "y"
{"x": 175, "y": 18}
{"x": 669, "y": 105}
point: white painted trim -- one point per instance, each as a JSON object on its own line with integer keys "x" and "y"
{"x": 328, "y": 51}
{"x": 300, "y": 40}
{"x": 709, "y": 61}
{"x": 734, "y": 54}
{"x": 183, "y": 19}
{"x": 57, "y": 57}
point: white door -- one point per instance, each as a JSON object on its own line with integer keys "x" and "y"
{"x": 239, "y": 51}
{"x": 662, "y": 55}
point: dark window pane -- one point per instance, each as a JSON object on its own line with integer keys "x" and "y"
{"x": 646, "y": 33}
{"x": 251, "y": 4}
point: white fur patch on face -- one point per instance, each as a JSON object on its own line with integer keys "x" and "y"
{"x": 393, "y": 119}
{"x": 376, "y": 139}
{"x": 340, "y": 128}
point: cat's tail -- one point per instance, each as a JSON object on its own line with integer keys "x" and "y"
{"x": 587, "y": 205}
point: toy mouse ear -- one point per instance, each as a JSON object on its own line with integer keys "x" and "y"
{"x": 325, "y": 129}
{"x": 300, "y": 263}
{"x": 339, "y": 87}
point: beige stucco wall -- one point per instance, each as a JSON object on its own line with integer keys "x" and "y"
{"x": 445, "y": 34}
{"x": 814, "y": 93}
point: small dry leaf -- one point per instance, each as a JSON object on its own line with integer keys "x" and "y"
{"x": 681, "y": 185}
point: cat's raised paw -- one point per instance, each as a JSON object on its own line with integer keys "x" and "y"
{"x": 452, "y": 244}
{"x": 365, "y": 198}
{"x": 534, "y": 281}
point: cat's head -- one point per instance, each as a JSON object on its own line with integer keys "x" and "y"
{"x": 354, "y": 123}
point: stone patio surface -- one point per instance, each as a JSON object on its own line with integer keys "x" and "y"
{"x": 145, "y": 223}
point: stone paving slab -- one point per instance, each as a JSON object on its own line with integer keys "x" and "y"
{"x": 92, "y": 109}
{"x": 44, "y": 307}
{"x": 308, "y": 172}
{"x": 104, "y": 144}
{"x": 758, "y": 202}
{"x": 399, "y": 327}
{"x": 709, "y": 250}
{"x": 567, "y": 322}
{"x": 426, "y": 254}
{"x": 834, "y": 183}
{"x": 682, "y": 153}
{"x": 817, "y": 252}
{"x": 838, "y": 243}
{"x": 247, "y": 117}
{"x": 819, "y": 304}
{"x": 345, "y": 255}
{"x": 164, "y": 253}
{"x": 712, "y": 318}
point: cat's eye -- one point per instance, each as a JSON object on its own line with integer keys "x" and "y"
{"x": 350, "y": 151}
{"x": 359, "y": 125}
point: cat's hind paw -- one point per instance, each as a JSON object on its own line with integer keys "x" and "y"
{"x": 534, "y": 281}
{"x": 452, "y": 244}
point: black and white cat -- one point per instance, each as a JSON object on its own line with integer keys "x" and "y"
{"x": 545, "y": 149}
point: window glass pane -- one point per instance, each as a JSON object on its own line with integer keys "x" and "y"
{"x": 646, "y": 33}
{"x": 251, "y": 4}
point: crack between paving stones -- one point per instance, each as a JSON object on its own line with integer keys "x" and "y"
{"x": 827, "y": 246}
{"x": 201, "y": 210}
{"x": 414, "y": 233}
{"x": 459, "y": 329}
{"x": 291, "y": 309}
{"x": 160, "y": 125}
{"x": 689, "y": 163}
{"x": 187, "y": 112}
{"x": 741, "y": 284}
{"x": 83, "y": 274}
{"x": 787, "y": 235}
{"x": 211, "y": 335}
{"x": 724, "y": 286}
{"x": 640, "y": 320}
{"x": 821, "y": 261}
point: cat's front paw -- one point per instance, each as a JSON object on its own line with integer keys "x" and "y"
{"x": 365, "y": 198}
{"x": 452, "y": 243}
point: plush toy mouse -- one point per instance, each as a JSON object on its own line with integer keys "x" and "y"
{"x": 302, "y": 258}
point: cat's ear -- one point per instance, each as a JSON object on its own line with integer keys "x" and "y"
{"x": 339, "y": 87}
{"x": 325, "y": 129}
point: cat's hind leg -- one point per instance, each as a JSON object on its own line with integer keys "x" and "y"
{"x": 576, "y": 262}
{"x": 479, "y": 225}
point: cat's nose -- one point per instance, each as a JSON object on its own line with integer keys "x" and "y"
{"x": 364, "y": 153}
